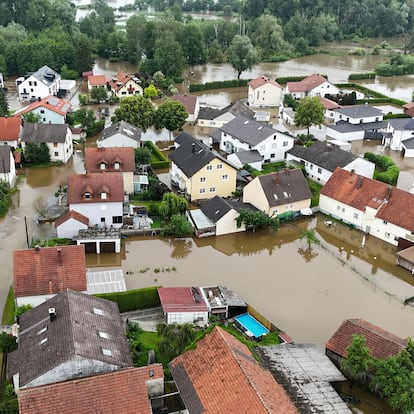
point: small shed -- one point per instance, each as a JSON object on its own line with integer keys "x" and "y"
{"x": 405, "y": 259}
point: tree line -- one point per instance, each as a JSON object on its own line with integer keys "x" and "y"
{"x": 38, "y": 32}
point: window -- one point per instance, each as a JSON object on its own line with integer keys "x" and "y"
{"x": 385, "y": 222}
{"x": 55, "y": 144}
{"x": 106, "y": 352}
{"x": 42, "y": 111}
{"x": 202, "y": 190}
{"x": 219, "y": 166}
{"x": 319, "y": 170}
{"x": 212, "y": 189}
{"x": 262, "y": 147}
{"x": 116, "y": 165}
{"x": 285, "y": 143}
{"x": 104, "y": 196}
{"x": 274, "y": 145}
{"x": 103, "y": 335}
{"x": 387, "y": 234}
{"x": 35, "y": 83}
{"x": 97, "y": 311}
{"x": 338, "y": 208}
{"x": 209, "y": 167}
{"x": 102, "y": 166}
{"x": 257, "y": 94}
{"x": 355, "y": 215}
{"x": 117, "y": 219}
{"x": 56, "y": 154}
{"x": 87, "y": 195}
{"x": 102, "y": 219}
{"x": 224, "y": 177}
{"x": 311, "y": 166}
{"x": 272, "y": 155}
{"x": 202, "y": 179}
{"x": 30, "y": 83}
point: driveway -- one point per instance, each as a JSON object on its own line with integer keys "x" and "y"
{"x": 147, "y": 319}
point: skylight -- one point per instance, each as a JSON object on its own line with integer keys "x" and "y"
{"x": 43, "y": 341}
{"x": 98, "y": 311}
{"x": 106, "y": 352}
{"x": 103, "y": 335}
{"x": 43, "y": 330}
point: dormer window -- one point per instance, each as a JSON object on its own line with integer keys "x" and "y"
{"x": 87, "y": 195}
{"x": 104, "y": 196}
{"x": 102, "y": 166}
{"x": 116, "y": 166}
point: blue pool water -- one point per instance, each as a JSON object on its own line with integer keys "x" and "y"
{"x": 250, "y": 324}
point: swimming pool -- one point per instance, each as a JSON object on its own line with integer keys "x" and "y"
{"x": 250, "y": 326}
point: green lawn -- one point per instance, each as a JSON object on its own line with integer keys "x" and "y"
{"x": 9, "y": 309}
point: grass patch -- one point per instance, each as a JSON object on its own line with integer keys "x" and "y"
{"x": 315, "y": 189}
{"x": 9, "y": 309}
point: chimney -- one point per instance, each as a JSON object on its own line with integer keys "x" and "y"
{"x": 277, "y": 179}
{"x": 52, "y": 314}
{"x": 37, "y": 248}
{"x": 193, "y": 147}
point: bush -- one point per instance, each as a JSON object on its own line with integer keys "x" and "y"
{"x": 286, "y": 79}
{"x": 158, "y": 159}
{"x": 386, "y": 171}
{"x": 133, "y": 299}
{"x": 358, "y": 51}
{"x": 235, "y": 83}
{"x": 360, "y": 76}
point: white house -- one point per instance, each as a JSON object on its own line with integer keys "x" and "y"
{"x": 120, "y": 134}
{"x": 10, "y": 130}
{"x": 122, "y": 85}
{"x": 313, "y": 85}
{"x": 358, "y": 114}
{"x": 374, "y": 207}
{"x": 191, "y": 103}
{"x": 407, "y": 147}
{"x": 264, "y": 92}
{"x": 251, "y": 158}
{"x": 7, "y": 167}
{"x": 244, "y": 134}
{"x": 320, "y": 161}
{"x": 97, "y": 196}
{"x": 398, "y": 130}
{"x": 97, "y": 81}
{"x": 50, "y": 110}
{"x": 58, "y": 138}
{"x": 68, "y": 225}
{"x": 183, "y": 305}
{"x": 37, "y": 85}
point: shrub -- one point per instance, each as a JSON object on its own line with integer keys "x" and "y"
{"x": 235, "y": 83}
{"x": 158, "y": 158}
{"x": 358, "y": 51}
{"x": 360, "y": 76}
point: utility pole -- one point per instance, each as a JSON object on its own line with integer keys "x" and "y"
{"x": 27, "y": 234}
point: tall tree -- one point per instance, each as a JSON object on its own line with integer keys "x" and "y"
{"x": 193, "y": 44}
{"x": 310, "y": 111}
{"x": 310, "y": 236}
{"x": 171, "y": 204}
{"x": 169, "y": 57}
{"x": 4, "y": 106}
{"x": 170, "y": 115}
{"x": 242, "y": 55}
{"x": 136, "y": 110}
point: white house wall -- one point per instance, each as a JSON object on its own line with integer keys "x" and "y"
{"x": 35, "y": 88}
{"x": 314, "y": 172}
{"x": 323, "y": 89}
{"x": 347, "y": 137}
{"x": 227, "y": 224}
{"x": 128, "y": 177}
{"x": 361, "y": 167}
{"x": 33, "y": 300}
{"x": 70, "y": 228}
{"x": 117, "y": 140}
{"x": 63, "y": 151}
{"x": 267, "y": 95}
{"x": 10, "y": 177}
{"x": 48, "y": 116}
{"x": 94, "y": 212}
{"x": 356, "y": 121}
{"x": 195, "y": 318}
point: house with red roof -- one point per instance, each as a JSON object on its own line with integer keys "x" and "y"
{"x": 49, "y": 110}
{"x": 97, "y": 196}
{"x": 183, "y": 305}
{"x": 128, "y": 390}
{"x": 10, "y": 130}
{"x": 42, "y": 272}
{"x": 369, "y": 205}
{"x": 380, "y": 342}
{"x": 112, "y": 159}
{"x": 68, "y": 225}
{"x": 7, "y": 165}
{"x": 191, "y": 104}
{"x": 313, "y": 85}
{"x": 264, "y": 92}
{"x": 97, "y": 81}
{"x": 122, "y": 85}
{"x": 220, "y": 375}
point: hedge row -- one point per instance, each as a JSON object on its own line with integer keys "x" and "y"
{"x": 158, "y": 159}
{"x": 133, "y": 299}
{"x": 363, "y": 89}
{"x": 376, "y": 101}
{"x": 387, "y": 171}
{"x": 286, "y": 79}
{"x": 360, "y": 76}
{"x": 234, "y": 83}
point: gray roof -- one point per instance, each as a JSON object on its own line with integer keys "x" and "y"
{"x": 218, "y": 207}
{"x": 246, "y": 157}
{"x": 248, "y": 130}
{"x": 408, "y": 143}
{"x": 215, "y": 135}
{"x": 344, "y": 127}
{"x": 184, "y": 137}
{"x": 305, "y": 373}
{"x": 237, "y": 108}
{"x": 402, "y": 123}
{"x": 323, "y": 155}
{"x": 359, "y": 111}
{"x": 44, "y": 133}
{"x": 45, "y": 74}
{"x": 208, "y": 113}
{"x": 124, "y": 128}
{"x": 45, "y": 344}
{"x": 192, "y": 155}
{"x": 5, "y": 159}
{"x": 285, "y": 187}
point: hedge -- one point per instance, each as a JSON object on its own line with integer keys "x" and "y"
{"x": 286, "y": 79}
{"x": 234, "y": 83}
{"x": 158, "y": 158}
{"x": 360, "y": 76}
{"x": 133, "y": 299}
{"x": 386, "y": 170}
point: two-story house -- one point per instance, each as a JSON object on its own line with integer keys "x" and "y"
{"x": 71, "y": 335}
{"x": 10, "y": 130}
{"x": 113, "y": 159}
{"x": 398, "y": 130}
{"x": 369, "y": 205}
{"x": 279, "y": 193}
{"x": 199, "y": 171}
{"x": 120, "y": 134}
{"x": 37, "y": 85}
{"x": 58, "y": 138}
{"x": 313, "y": 85}
{"x": 122, "y": 85}
{"x": 321, "y": 159}
{"x": 244, "y": 134}
{"x": 49, "y": 110}
{"x": 7, "y": 165}
{"x": 264, "y": 92}
{"x": 97, "y": 196}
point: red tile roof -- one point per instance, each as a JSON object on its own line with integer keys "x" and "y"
{"x": 97, "y": 80}
{"x": 359, "y": 192}
{"x": 49, "y": 270}
{"x": 52, "y": 103}
{"x": 181, "y": 299}
{"x": 381, "y": 343}
{"x": 120, "y": 79}
{"x": 221, "y": 376}
{"x": 189, "y": 101}
{"x": 10, "y": 128}
{"x": 328, "y": 104}
{"x": 307, "y": 84}
{"x": 95, "y": 184}
{"x": 262, "y": 80}
{"x": 94, "y": 157}
{"x": 72, "y": 214}
{"x": 122, "y": 391}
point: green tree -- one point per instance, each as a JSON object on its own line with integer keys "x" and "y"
{"x": 310, "y": 111}
{"x": 151, "y": 91}
{"x": 159, "y": 79}
{"x": 169, "y": 57}
{"x": 8, "y": 343}
{"x": 142, "y": 156}
{"x": 256, "y": 220}
{"x": 178, "y": 227}
{"x": 4, "y": 106}
{"x": 171, "y": 204}
{"x": 98, "y": 94}
{"x": 310, "y": 236}
{"x": 136, "y": 110}
{"x": 192, "y": 44}
{"x": 242, "y": 55}
{"x": 4, "y": 197}
{"x": 174, "y": 338}
{"x": 36, "y": 153}
{"x": 170, "y": 115}
{"x": 31, "y": 117}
